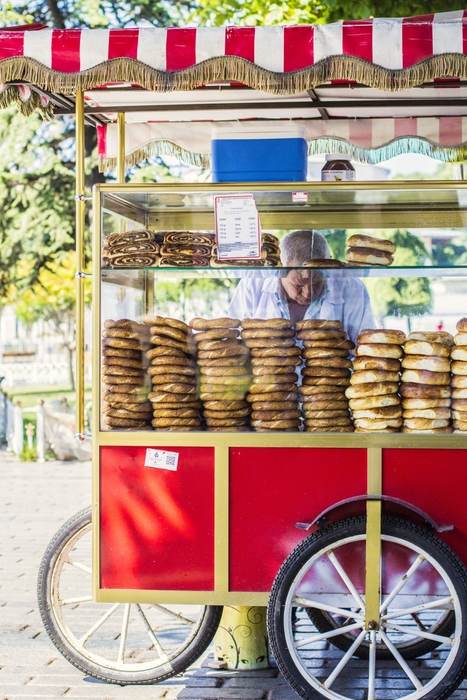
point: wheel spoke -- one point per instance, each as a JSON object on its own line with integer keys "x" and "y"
{"x": 126, "y": 619}
{"x": 419, "y": 633}
{"x": 177, "y": 616}
{"x": 98, "y": 624}
{"x": 79, "y": 599}
{"x": 345, "y": 659}
{"x": 151, "y": 634}
{"x": 342, "y": 612}
{"x": 332, "y": 557}
{"x": 372, "y": 665}
{"x": 401, "y": 661}
{"x": 78, "y": 565}
{"x": 328, "y": 635}
{"x": 402, "y": 581}
{"x": 418, "y": 608}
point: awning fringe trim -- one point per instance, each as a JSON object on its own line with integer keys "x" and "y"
{"x": 234, "y": 69}
{"x": 371, "y": 156}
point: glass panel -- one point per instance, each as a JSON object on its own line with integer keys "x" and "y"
{"x": 301, "y": 361}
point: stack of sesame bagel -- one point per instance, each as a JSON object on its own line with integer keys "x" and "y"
{"x": 425, "y": 382}
{"x": 373, "y": 394}
{"x": 459, "y": 378}
{"x": 173, "y": 374}
{"x": 224, "y": 373}
{"x": 125, "y": 404}
{"x": 274, "y": 356}
{"x": 325, "y": 375}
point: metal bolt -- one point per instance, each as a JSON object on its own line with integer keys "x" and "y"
{"x": 372, "y": 625}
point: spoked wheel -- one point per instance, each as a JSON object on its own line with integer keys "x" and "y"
{"x": 437, "y": 622}
{"x": 123, "y": 643}
{"x": 424, "y": 599}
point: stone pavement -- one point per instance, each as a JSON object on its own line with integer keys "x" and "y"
{"x": 35, "y": 499}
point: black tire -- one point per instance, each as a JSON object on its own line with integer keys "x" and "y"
{"x": 199, "y": 634}
{"x": 292, "y": 641}
{"x": 411, "y": 649}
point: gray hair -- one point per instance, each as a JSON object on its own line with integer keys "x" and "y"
{"x": 298, "y": 246}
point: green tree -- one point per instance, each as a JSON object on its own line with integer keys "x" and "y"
{"x": 257, "y": 12}
{"x": 52, "y": 299}
{"x": 402, "y": 296}
{"x": 96, "y": 13}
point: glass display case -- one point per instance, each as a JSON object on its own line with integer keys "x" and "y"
{"x": 344, "y": 322}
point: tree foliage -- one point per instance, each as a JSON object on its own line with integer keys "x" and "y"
{"x": 402, "y": 296}
{"x": 52, "y": 299}
{"x": 258, "y": 12}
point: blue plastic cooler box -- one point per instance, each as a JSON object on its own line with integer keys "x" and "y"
{"x": 259, "y": 153}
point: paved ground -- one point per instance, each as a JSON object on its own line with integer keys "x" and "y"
{"x": 35, "y": 499}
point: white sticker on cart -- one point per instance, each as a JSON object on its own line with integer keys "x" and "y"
{"x": 238, "y": 231}
{"x": 299, "y": 196}
{"x": 161, "y": 459}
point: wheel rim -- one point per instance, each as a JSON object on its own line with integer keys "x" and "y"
{"x": 302, "y": 639}
{"x": 121, "y": 637}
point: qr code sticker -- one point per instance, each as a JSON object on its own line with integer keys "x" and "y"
{"x": 161, "y": 459}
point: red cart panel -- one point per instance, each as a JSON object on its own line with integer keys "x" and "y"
{"x": 157, "y": 526}
{"x": 270, "y": 490}
{"x": 434, "y": 481}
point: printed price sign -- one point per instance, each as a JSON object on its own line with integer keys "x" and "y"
{"x": 161, "y": 459}
{"x": 238, "y": 231}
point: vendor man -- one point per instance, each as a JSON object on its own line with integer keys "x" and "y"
{"x": 304, "y": 293}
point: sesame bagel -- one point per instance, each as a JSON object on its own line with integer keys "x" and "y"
{"x": 421, "y": 376}
{"x": 367, "y": 376}
{"x": 432, "y": 363}
{"x": 357, "y": 391}
{"x": 379, "y": 350}
{"x": 318, "y": 323}
{"x": 204, "y": 324}
{"x": 423, "y": 347}
{"x": 276, "y": 323}
{"x": 421, "y": 391}
{"x": 381, "y": 336}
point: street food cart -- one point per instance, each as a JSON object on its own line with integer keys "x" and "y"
{"x": 191, "y": 513}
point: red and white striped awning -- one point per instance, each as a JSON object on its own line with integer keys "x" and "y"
{"x": 147, "y": 67}
{"x": 68, "y": 59}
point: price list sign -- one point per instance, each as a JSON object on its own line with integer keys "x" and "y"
{"x": 238, "y": 231}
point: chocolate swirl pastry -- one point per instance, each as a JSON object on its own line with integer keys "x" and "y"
{"x": 270, "y": 238}
{"x": 129, "y": 237}
{"x": 113, "y": 251}
{"x": 191, "y": 250}
{"x": 188, "y": 238}
{"x": 133, "y": 260}
{"x": 180, "y": 260}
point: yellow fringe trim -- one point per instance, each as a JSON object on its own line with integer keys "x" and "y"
{"x": 236, "y": 69}
{"x": 401, "y": 146}
{"x": 157, "y": 148}
{"x": 12, "y": 96}
{"x": 451, "y": 154}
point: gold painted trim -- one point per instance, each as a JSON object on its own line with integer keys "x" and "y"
{"x": 120, "y": 147}
{"x": 80, "y": 213}
{"x": 332, "y": 440}
{"x": 221, "y": 519}
{"x": 96, "y": 393}
{"x": 373, "y": 565}
{"x": 375, "y": 471}
{"x": 185, "y": 597}
{"x": 406, "y": 185}
{"x": 373, "y": 537}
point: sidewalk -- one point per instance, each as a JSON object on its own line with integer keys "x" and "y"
{"x": 35, "y": 499}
